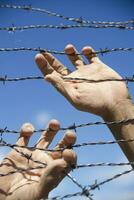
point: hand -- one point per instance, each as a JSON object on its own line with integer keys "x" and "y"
{"x": 98, "y": 98}
{"x": 35, "y": 184}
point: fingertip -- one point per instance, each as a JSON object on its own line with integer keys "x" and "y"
{"x": 27, "y": 129}
{"x": 54, "y": 125}
{"x": 40, "y": 60}
{"x": 87, "y": 50}
{"x": 38, "y": 56}
{"x": 70, "y": 156}
{"x": 69, "y": 49}
{"x": 70, "y": 137}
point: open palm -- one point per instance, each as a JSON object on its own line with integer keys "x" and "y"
{"x": 95, "y": 97}
{"x": 36, "y": 172}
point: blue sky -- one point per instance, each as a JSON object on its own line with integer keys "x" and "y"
{"x": 37, "y": 101}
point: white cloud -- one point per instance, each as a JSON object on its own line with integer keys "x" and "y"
{"x": 42, "y": 118}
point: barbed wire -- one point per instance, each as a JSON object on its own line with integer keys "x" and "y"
{"x": 102, "y": 143}
{"x": 7, "y": 79}
{"x": 97, "y": 185}
{"x": 62, "y": 27}
{"x": 74, "y": 126}
{"x": 101, "y": 51}
{"x": 94, "y": 186}
{"x": 85, "y": 191}
{"x": 2, "y": 144}
{"x": 72, "y": 19}
{"x": 103, "y": 164}
{"x": 29, "y": 157}
{"x": 81, "y": 23}
{"x": 127, "y": 79}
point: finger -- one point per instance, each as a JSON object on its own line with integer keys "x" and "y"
{"x": 49, "y": 134}
{"x": 25, "y": 133}
{"x": 57, "y": 81}
{"x": 90, "y": 55}
{"x": 43, "y": 65}
{"x": 70, "y": 157}
{"x": 50, "y": 74}
{"x": 76, "y": 60}
{"x": 53, "y": 175}
{"x": 67, "y": 141}
{"x": 56, "y": 64}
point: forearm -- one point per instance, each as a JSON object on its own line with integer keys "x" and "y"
{"x": 121, "y": 111}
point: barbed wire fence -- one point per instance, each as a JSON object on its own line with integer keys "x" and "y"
{"x": 79, "y": 23}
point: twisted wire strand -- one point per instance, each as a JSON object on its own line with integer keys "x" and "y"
{"x": 84, "y": 189}
{"x": 62, "y": 27}
{"x": 97, "y": 185}
{"x": 102, "y": 143}
{"x": 7, "y": 79}
{"x": 66, "y": 196}
{"x": 77, "y": 20}
{"x": 128, "y": 79}
{"x": 2, "y": 144}
{"x": 74, "y": 127}
{"x": 94, "y": 186}
{"x": 103, "y": 164}
{"x": 29, "y": 157}
{"x": 101, "y": 51}
{"x": 75, "y": 181}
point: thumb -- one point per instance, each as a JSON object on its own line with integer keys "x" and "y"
{"x": 52, "y": 176}
{"x": 56, "y": 80}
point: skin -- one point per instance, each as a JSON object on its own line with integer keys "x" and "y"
{"x": 110, "y": 99}
{"x": 37, "y": 183}
{"x": 96, "y": 98}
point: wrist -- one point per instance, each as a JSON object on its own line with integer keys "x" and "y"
{"x": 122, "y": 110}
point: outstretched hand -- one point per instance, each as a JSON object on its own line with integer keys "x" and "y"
{"x": 33, "y": 184}
{"x": 98, "y": 98}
